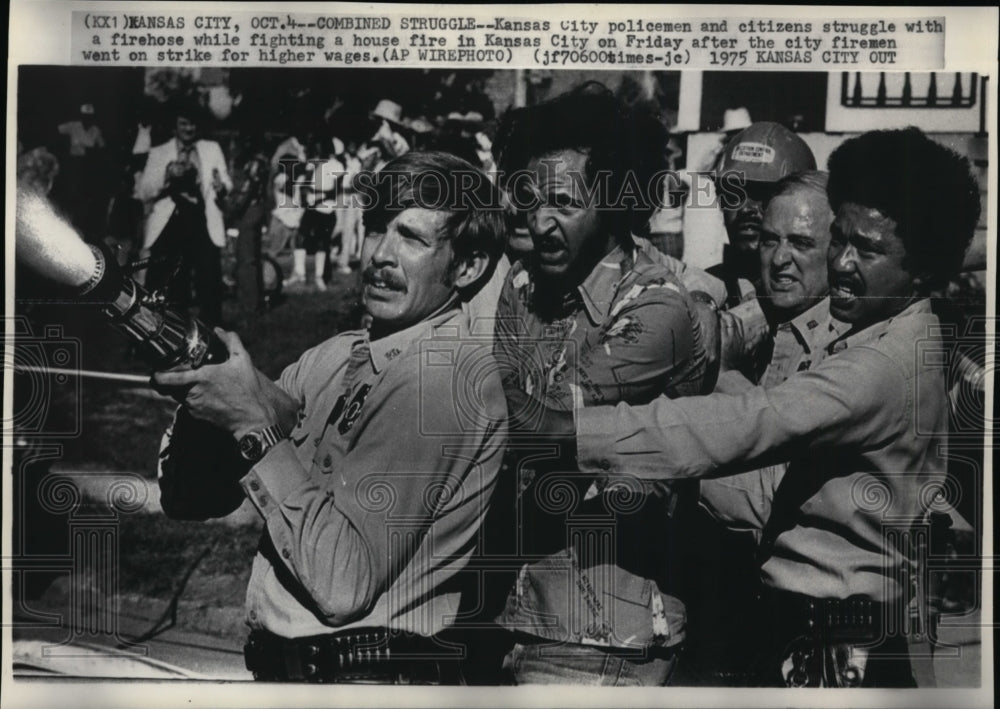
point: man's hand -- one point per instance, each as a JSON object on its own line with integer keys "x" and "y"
{"x": 232, "y": 395}
{"x": 744, "y": 329}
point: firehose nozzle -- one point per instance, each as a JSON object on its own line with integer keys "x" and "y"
{"x": 48, "y": 245}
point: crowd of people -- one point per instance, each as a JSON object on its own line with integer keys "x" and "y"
{"x": 171, "y": 204}
{"x": 504, "y": 478}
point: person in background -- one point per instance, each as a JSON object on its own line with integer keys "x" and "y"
{"x": 184, "y": 185}
{"x": 246, "y": 210}
{"x": 350, "y": 225}
{"x": 319, "y": 188}
{"x": 751, "y": 164}
{"x": 286, "y": 215}
{"x": 84, "y": 173}
{"x": 389, "y": 136}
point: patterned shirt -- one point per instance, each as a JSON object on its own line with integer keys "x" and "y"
{"x": 628, "y": 333}
{"x": 865, "y": 431}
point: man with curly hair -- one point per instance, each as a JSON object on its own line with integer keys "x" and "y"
{"x": 864, "y": 431}
{"x": 590, "y": 319}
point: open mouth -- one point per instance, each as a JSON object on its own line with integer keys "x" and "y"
{"x": 844, "y": 290}
{"x": 376, "y": 284}
{"x": 549, "y": 249}
{"x": 783, "y": 281}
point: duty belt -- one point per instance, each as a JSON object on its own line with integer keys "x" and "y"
{"x": 826, "y": 642}
{"x": 361, "y": 656}
{"x": 853, "y": 619}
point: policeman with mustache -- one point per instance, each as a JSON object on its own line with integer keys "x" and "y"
{"x": 372, "y": 459}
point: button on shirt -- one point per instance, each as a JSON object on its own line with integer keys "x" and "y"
{"x": 799, "y": 343}
{"x": 627, "y": 333}
{"x": 743, "y": 501}
{"x": 865, "y": 431}
{"x": 374, "y": 501}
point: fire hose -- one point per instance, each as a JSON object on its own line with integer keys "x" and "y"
{"x": 87, "y": 274}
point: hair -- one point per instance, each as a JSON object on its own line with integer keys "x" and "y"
{"x": 478, "y": 220}
{"x": 615, "y": 140}
{"x": 808, "y": 180}
{"x": 921, "y": 185}
{"x": 187, "y": 108}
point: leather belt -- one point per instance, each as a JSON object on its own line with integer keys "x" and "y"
{"x": 358, "y": 656}
{"x": 853, "y": 619}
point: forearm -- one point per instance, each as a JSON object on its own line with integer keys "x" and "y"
{"x": 315, "y": 540}
{"x": 855, "y": 399}
{"x": 286, "y": 409}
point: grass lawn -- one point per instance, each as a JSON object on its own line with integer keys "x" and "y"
{"x": 106, "y": 425}
{"x": 110, "y": 426}
{"x": 156, "y": 553}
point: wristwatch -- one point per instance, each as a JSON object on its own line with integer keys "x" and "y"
{"x": 255, "y": 444}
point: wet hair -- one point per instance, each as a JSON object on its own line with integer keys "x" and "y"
{"x": 924, "y": 187}
{"x": 478, "y": 219}
{"x": 615, "y": 140}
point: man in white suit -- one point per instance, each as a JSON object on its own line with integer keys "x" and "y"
{"x": 183, "y": 185}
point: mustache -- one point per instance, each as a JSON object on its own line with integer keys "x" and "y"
{"x": 846, "y": 281}
{"x": 548, "y": 241}
{"x": 371, "y": 275}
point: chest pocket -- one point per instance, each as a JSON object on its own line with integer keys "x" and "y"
{"x": 333, "y": 440}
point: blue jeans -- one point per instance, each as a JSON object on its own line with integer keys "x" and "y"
{"x": 587, "y": 665}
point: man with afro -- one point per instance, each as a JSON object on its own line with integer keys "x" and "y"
{"x": 864, "y": 431}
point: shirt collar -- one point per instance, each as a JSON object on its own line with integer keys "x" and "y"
{"x": 850, "y": 338}
{"x": 386, "y": 349}
{"x": 816, "y": 327}
{"x": 598, "y": 290}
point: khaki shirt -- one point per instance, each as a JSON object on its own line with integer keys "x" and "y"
{"x": 865, "y": 431}
{"x": 374, "y": 502}
{"x": 743, "y": 501}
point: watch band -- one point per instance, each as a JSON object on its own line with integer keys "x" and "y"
{"x": 255, "y": 444}
{"x": 271, "y": 436}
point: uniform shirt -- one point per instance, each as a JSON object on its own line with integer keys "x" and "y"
{"x": 743, "y": 501}
{"x": 373, "y": 503}
{"x": 796, "y": 345}
{"x": 865, "y": 431}
{"x": 627, "y": 333}
{"x": 482, "y": 307}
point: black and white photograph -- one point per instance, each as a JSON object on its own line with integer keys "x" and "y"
{"x": 525, "y": 369}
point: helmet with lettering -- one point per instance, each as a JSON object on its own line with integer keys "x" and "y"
{"x": 766, "y": 152}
